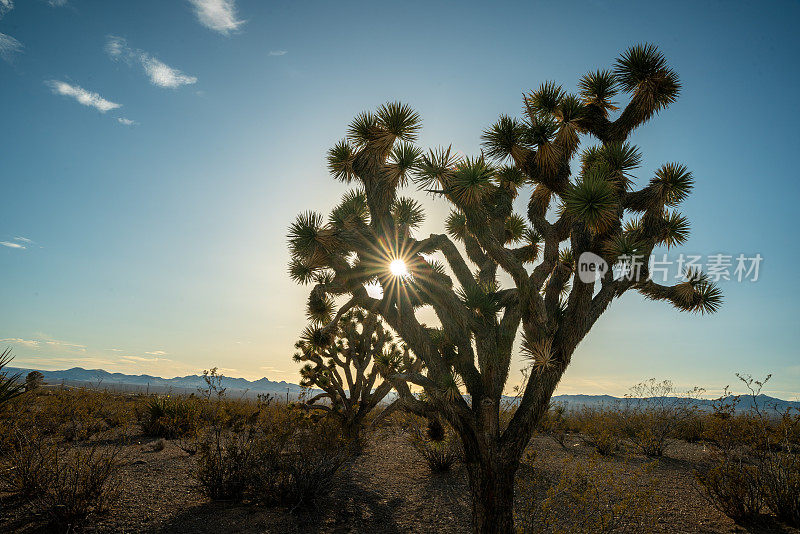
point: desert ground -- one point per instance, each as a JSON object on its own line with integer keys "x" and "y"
{"x": 388, "y": 487}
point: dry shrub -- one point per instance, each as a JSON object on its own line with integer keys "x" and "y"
{"x": 79, "y": 488}
{"x": 779, "y": 464}
{"x": 590, "y": 496}
{"x": 754, "y": 459}
{"x": 556, "y": 423}
{"x": 732, "y": 486}
{"x": 27, "y": 467}
{"x": 76, "y": 415}
{"x": 68, "y": 485}
{"x": 226, "y": 464}
{"x": 691, "y": 428}
{"x": 780, "y": 479}
{"x": 601, "y": 428}
{"x": 287, "y": 458}
{"x": 653, "y": 411}
{"x": 73, "y": 414}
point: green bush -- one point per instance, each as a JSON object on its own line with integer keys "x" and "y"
{"x": 440, "y": 455}
{"x": 169, "y": 417}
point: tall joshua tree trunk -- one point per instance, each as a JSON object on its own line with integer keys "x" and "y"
{"x": 491, "y": 483}
{"x": 493, "y": 458}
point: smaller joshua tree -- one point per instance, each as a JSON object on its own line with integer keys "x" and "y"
{"x": 350, "y": 366}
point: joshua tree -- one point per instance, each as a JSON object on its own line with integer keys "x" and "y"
{"x": 346, "y": 364}
{"x": 33, "y": 380}
{"x": 368, "y": 240}
{"x": 10, "y": 386}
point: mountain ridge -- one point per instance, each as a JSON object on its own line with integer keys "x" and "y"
{"x": 101, "y": 377}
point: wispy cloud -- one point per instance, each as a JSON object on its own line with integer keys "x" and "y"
{"x": 48, "y": 343}
{"x": 115, "y": 350}
{"x": 23, "y": 239}
{"x": 10, "y": 244}
{"x": 156, "y": 353}
{"x": 19, "y": 341}
{"x": 143, "y": 359}
{"x": 126, "y": 122}
{"x": 62, "y": 363}
{"x": 218, "y": 15}
{"x": 87, "y": 98}
{"x": 9, "y": 46}
{"x": 277, "y": 52}
{"x": 57, "y": 3}
{"x": 116, "y": 47}
{"x": 160, "y": 74}
{"x": 6, "y": 6}
{"x": 74, "y": 346}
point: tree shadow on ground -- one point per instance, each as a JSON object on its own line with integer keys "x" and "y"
{"x": 350, "y": 508}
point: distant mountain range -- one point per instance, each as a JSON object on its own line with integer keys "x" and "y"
{"x": 180, "y": 384}
{"x": 190, "y": 383}
{"x": 746, "y": 402}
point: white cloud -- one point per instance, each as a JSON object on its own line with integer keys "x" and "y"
{"x": 6, "y": 6}
{"x": 115, "y": 350}
{"x": 277, "y": 52}
{"x": 9, "y": 244}
{"x": 160, "y": 73}
{"x": 156, "y": 353}
{"x": 8, "y": 46}
{"x": 163, "y": 75}
{"x": 57, "y": 3}
{"x": 87, "y": 98}
{"x": 20, "y": 341}
{"x": 23, "y": 239}
{"x": 126, "y": 122}
{"x": 218, "y": 15}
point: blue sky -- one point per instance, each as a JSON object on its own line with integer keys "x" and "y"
{"x": 156, "y": 209}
